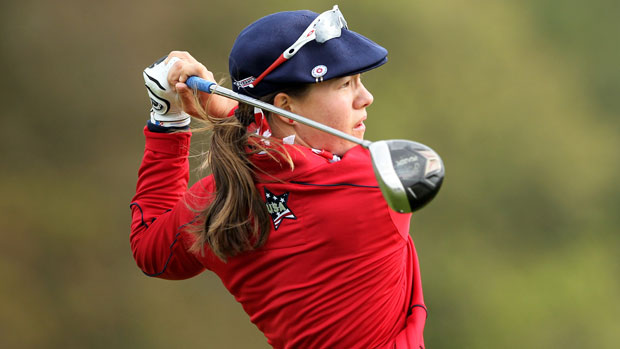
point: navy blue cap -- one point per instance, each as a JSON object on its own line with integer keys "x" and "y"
{"x": 263, "y": 41}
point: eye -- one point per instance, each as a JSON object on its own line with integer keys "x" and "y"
{"x": 346, "y": 83}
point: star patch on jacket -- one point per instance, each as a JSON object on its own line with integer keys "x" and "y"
{"x": 277, "y": 208}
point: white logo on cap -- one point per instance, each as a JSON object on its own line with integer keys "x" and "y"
{"x": 319, "y": 71}
{"x": 245, "y": 82}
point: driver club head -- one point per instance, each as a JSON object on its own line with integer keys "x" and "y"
{"x": 409, "y": 173}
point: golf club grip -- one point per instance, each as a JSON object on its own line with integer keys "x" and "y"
{"x": 199, "y": 84}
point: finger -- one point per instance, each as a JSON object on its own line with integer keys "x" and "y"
{"x": 189, "y": 69}
{"x": 183, "y": 77}
{"x": 172, "y": 54}
{"x": 183, "y": 55}
{"x": 175, "y": 72}
{"x": 186, "y": 95}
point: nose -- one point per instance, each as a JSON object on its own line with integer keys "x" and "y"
{"x": 364, "y": 98}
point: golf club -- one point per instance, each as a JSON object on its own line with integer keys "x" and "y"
{"x": 409, "y": 173}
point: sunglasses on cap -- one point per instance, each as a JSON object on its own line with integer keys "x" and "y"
{"x": 326, "y": 26}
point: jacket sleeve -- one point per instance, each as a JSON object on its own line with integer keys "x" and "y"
{"x": 160, "y": 217}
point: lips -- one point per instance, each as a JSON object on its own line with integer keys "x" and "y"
{"x": 360, "y": 125}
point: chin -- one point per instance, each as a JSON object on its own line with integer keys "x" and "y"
{"x": 359, "y": 133}
{"x": 343, "y": 148}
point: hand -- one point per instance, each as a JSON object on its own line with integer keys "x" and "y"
{"x": 181, "y": 70}
{"x": 166, "y": 107}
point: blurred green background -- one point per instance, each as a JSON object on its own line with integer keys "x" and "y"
{"x": 521, "y": 98}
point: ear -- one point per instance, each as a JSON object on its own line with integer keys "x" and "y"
{"x": 284, "y": 101}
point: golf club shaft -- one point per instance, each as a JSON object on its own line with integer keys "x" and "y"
{"x": 211, "y": 87}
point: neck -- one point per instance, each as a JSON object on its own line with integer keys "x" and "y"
{"x": 280, "y": 129}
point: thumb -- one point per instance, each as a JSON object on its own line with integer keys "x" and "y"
{"x": 186, "y": 95}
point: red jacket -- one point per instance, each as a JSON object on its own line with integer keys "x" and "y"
{"x": 339, "y": 269}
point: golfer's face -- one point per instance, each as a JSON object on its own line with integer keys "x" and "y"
{"x": 340, "y": 103}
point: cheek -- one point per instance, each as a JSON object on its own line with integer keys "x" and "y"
{"x": 328, "y": 109}
{"x": 337, "y": 116}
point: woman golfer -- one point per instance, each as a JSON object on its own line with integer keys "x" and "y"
{"x": 291, "y": 219}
